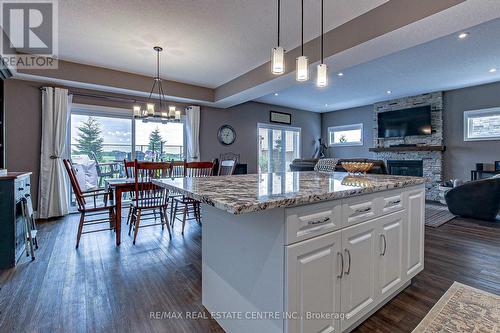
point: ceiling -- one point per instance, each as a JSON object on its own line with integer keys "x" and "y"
{"x": 442, "y": 64}
{"x": 222, "y": 48}
{"x": 207, "y": 42}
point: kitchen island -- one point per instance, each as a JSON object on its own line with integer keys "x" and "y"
{"x": 305, "y": 251}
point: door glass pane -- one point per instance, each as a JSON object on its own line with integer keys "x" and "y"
{"x": 291, "y": 147}
{"x": 263, "y": 150}
{"x": 98, "y": 147}
{"x": 278, "y": 147}
{"x": 157, "y": 141}
{"x": 276, "y": 164}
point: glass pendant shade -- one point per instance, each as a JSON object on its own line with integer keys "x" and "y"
{"x": 151, "y": 109}
{"x": 278, "y": 60}
{"x": 302, "y": 69}
{"x": 137, "y": 110}
{"x": 171, "y": 111}
{"x": 177, "y": 115}
{"x": 322, "y": 79}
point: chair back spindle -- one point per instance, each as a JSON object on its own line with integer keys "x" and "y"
{"x": 198, "y": 169}
{"x": 178, "y": 168}
{"x": 226, "y": 167}
{"x": 129, "y": 167}
{"x": 147, "y": 193}
{"x": 74, "y": 184}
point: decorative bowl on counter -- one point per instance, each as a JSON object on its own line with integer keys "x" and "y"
{"x": 357, "y": 167}
{"x": 358, "y": 181}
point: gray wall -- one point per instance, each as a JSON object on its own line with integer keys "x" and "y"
{"x": 23, "y": 117}
{"x": 362, "y": 114}
{"x": 23, "y": 128}
{"x": 244, "y": 119}
{"x": 461, "y": 156}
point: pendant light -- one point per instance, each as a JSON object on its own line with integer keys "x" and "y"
{"x": 149, "y": 112}
{"x": 278, "y": 53}
{"x": 322, "y": 79}
{"x": 302, "y": 61}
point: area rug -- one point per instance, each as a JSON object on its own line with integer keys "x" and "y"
{"x": 436, "y": 215}
{"x": 463, "y": 309}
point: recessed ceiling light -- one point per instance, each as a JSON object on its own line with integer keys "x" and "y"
{"x": 340, "y": 74}
{"x": 492, "y": 70}
{"x": 389, "y": 92}
{"x": 463, "y": 35}
{"x": 326, "y": 104}
{"x": 276, "y": 94}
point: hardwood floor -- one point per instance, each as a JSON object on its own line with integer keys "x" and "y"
{"x": 104, "y": 288}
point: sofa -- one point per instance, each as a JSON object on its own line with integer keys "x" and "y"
{"x": 478, "y": 199}
{"x": 308, "y": 164}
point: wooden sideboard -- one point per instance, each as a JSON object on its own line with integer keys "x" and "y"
{"x": 13, "y": 187}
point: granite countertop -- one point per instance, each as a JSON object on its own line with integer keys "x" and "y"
{"x": 240, "y": 194}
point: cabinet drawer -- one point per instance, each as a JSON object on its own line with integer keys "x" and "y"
{"x": 360, "y": 209}
{"x": 309, "y": 221}
{"x": 391, "y": 202}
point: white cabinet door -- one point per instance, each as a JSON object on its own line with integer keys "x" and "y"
{"x": 390, "y": 267}
{"x": 414, "y": 232}
{"x": 313, "y": 284}
{"x": 359, "y": 283}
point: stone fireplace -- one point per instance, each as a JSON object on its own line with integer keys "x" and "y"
{"x": 429, "y": 161}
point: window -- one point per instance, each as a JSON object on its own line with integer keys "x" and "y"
{"x": 105, "y": 138}
{"x": 482, "y": 124}
{"x": 348, "y": 135}
{"x": 100, "y": 138}
{"x": 155, "y": 141}
{"x": 278, "y": 147}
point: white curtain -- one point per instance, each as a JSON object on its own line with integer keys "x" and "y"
{"x": 53, "y": 188}
{"x": 193, "y": 132}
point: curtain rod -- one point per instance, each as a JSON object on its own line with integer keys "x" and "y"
{"x": 112, "y": 98}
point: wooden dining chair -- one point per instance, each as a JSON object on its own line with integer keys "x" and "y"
{"x": 177, "y": 172}
{"x": 93, "y": 211}
{"x": 129, "y": 167}
{"x": 148, "y": 197}
{"x": 226, "y": 167}
{"x": 187, "y": 205}
{"x": 178, "y": 168}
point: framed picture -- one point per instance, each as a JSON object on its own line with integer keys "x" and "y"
{"x": 280, "y": 117}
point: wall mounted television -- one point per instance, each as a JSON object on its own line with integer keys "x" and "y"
{"x": 406, "y": 122}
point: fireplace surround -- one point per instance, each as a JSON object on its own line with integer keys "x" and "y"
{"x": 432, "y": 159}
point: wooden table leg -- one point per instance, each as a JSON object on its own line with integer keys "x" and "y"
{"x": 118, "y": 201}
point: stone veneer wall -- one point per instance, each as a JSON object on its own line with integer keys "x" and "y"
{"x": 432, "y": 160}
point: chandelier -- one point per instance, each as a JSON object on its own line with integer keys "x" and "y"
{"x": 165, "y": 114}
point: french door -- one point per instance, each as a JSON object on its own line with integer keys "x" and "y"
{"x": 278, "y": 147}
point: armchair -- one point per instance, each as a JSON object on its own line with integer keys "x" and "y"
{"x": 478, "y": 199}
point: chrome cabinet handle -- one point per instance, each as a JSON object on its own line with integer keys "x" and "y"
{"x": 363, "y": 210}
{"x": 391, "y": 203}
{"x": 342, "y": 264}
{"x": 385, "y": 244}
{"x": 348, "y": 270}
{"x": 326, "y": 219}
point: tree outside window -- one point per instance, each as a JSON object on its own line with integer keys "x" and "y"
{"x": 89, "y": 139}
